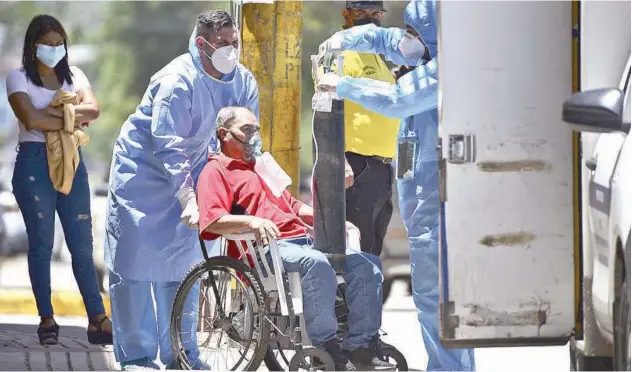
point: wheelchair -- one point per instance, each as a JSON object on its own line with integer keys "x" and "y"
{"x": 252, "y": 310}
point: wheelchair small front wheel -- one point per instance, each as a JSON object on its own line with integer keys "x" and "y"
{"x": 393, "y": 356}
{"x": 312, "y": 359}
{"x": 219, "y": 316}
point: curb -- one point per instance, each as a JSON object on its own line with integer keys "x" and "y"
{"x": 65, "y": 303}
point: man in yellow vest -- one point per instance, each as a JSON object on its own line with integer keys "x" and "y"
{"x": 370, "y": 139}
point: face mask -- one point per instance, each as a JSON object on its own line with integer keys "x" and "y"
{"x": 252, "y": 145}
{"x": 50, "y": 55}
{"x": 366, "y": 21}
{"x": 412, "y": 47}
{"x": 224, "y": 59}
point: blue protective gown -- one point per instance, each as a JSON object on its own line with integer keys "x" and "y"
{"x": 413, "y": 99}
{"x": 161, "y": 148}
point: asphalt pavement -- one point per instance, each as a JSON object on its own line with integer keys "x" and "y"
{"x": 19, "y": 349}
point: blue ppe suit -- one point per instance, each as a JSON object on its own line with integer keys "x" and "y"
{"x": 162, "y": 148}
{"x": 414, "y": 99}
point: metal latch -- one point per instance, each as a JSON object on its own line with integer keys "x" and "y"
{"x": 461, "y": 148}
{"x": 442, "y": 172}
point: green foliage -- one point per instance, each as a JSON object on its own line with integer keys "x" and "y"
{"x": 135, "y": 39}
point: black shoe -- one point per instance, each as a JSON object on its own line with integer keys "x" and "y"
{"x": 341, "y": 361}
{"x": 48, "y": 335}
{"x": 366, "y": 358}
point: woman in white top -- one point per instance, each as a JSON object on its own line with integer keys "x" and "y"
{"x": 30, "y": 89}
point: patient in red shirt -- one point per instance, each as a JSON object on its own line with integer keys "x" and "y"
{"x": 232, "y": 198}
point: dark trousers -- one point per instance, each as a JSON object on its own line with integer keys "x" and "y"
{"x": 369, "y": 204}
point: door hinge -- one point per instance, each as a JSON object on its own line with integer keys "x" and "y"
{"x": 575, "y": 33}
{"x": 449, "y": 320}
{"x": 462, "y": 148}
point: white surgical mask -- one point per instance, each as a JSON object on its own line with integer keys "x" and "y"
{"x": 224, "y": 59}
{"x": 411, "y": 47}
{"x": 50, "y": 55}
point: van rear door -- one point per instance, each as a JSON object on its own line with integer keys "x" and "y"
{"x": 507, "y": 268}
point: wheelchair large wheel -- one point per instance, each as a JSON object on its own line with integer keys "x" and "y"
{"x": 279, "y": 359}
{"x": 219, "y": 316}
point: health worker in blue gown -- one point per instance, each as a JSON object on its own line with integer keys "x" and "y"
{"x": 414, "y": 100}
{"x": 151, "y": 233}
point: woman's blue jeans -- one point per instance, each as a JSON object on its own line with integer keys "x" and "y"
{"x": 38, "y": 200}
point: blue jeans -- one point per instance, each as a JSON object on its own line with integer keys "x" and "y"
{"x": 318, "y": 281}
{"x": 38, "y": 200}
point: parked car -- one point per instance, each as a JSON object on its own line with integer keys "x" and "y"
{"x": 15, "y": 241}
{"x": 607, "y": 112}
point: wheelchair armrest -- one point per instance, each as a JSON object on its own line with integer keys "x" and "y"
{"x": 247, "y": 243}
{"x": 246, "y": 235}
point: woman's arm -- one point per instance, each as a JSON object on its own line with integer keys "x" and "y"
{"x": 88, "y": 109}
{"x": 48, "y": 119}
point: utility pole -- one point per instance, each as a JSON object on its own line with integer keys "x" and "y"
{"x": 272, "y": 34}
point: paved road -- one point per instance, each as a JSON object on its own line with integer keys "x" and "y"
{"x": 400, "y": 321}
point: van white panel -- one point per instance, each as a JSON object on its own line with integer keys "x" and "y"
{"x": 507, "y": 271}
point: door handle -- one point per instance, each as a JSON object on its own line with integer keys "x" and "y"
{"x": 591, "y": 163}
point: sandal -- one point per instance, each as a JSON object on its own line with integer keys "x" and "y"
{"x": 99, "y": 336}
{"x": 48, "y": 335}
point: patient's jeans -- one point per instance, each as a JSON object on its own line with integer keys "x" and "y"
{"x": 363, "y": 278}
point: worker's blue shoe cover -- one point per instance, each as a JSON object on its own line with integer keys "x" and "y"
{"x": 139, "y": 365}
{"x": 197, "y": 365}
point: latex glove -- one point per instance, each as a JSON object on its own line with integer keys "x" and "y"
{"x": 328, "y": 82}
{"x": 190, "y": 214}
{"x": 348, "y": 176}
{"x": 331, "y": 45}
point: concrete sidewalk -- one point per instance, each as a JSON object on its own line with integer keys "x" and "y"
{"x": 20, "y": 350}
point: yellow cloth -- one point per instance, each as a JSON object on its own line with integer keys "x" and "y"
{"x": 62, "y": 145}
{"x": 367, "y": 132}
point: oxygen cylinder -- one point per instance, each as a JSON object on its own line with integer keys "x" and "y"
{"x": 328, "y": 178}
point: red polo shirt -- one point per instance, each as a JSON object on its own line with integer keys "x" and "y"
{"x": 229, "y": 186}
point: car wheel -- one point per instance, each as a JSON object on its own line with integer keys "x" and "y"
{"x": 580, "y": 362}
{"x": 621, "y": 319}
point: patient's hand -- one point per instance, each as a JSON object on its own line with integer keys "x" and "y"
{"x": 263, "y": 229}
